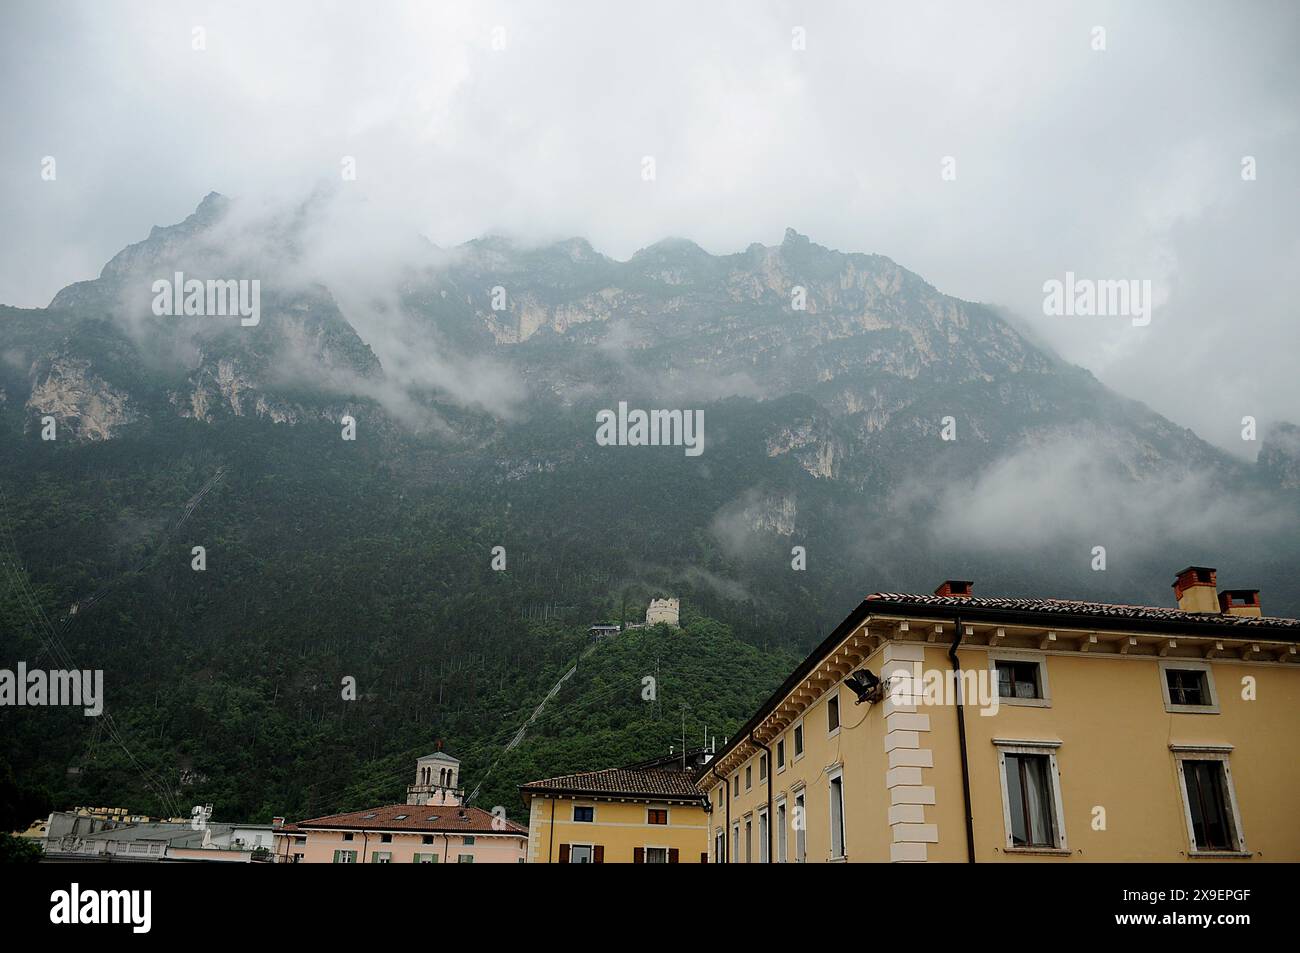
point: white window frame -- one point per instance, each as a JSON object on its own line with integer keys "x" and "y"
{"x": 668, "y": 854}
{"x": 836, "y": 773}
{"x": 340, "y": 853}
{"x": 735, "y": 841}
{"x": 381, "y": 856}
{"x": 573, "y": 813}
{"x": 719, "y": 846}
{"x": 1005, "y": 747}
{"x": 763, "y": 821}
{"x": 798, "y": 750}
{"x": 780, "y": 754}
{"x": 834, "y": 694}
{"x": 1220, "y": 753}
{"x": 782, "y": 822}
{"x": 591, "y": 847}
{"x": 800, "y": 794}
{"x": 1022, "y": 655}
{"x": 749, "y": 776}
{"x": 749, "y": 837}
{"x": 1190, "y": 665}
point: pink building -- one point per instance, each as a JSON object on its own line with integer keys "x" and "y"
{"x": 433, "y": 827}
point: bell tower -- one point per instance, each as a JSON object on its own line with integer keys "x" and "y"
{"x": 437, "y": 780}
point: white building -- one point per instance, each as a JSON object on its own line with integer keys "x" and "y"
{"x": 663, "y": 610}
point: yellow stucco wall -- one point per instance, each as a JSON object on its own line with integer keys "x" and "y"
{"x": 619, "y": 827}
{"x": 856, "y": 749}
{"x": 1108, "y": 714}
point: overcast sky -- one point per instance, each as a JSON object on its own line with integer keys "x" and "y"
{"x": 1117, "y": 163}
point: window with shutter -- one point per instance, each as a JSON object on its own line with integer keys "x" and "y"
{"x": 673, "y": 855}
{"x": 638, "y": 855}
{"x": 564, "y": 853}
{"x": 598, "y": 854}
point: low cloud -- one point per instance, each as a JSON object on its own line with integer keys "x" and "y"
{"x": 1081, "y": 489}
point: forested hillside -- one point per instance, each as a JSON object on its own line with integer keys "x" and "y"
{"x": 862, "y": 432}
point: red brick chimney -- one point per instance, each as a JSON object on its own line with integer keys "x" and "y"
{"x": 1240, "y": 602}
{"x": 954, "y": 587}
{"x": 1195, "y": 589}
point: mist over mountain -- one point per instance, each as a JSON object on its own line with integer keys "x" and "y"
{"x": 830, "y": 374}
{"x": 828, "y": 381}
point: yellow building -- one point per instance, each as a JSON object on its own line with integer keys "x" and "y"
{"x": 618, "y": 816}
{"x": 947, "y": 727}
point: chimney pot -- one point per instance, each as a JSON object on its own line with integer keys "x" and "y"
{"x": 1243, "y": 602}
{"x": 1194, "y": 588}
{"x": 954, "y": 587}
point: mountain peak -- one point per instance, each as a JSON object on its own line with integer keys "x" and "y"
{"x": 212, "y": 207}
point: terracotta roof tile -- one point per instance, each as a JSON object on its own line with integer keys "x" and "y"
{"x": 1096, "y": 609}
{"x": 417, "y": 818}
{"x": 620, "y": 781}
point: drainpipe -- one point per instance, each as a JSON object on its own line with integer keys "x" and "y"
{"x": 446, "y": 848}
{"x": 961, "y": 740}
{"x": 365, "y": 842}
{"x": 726, "y": 830}
{"x": 754, "y": 741}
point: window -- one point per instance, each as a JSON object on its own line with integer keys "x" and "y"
{"x": 735, "y": 842}
{"x": 426, "y": 858}
{"x": 798, "y": 740}
{"x": 763, "y": 855}
{"x": 1188, "y": 686}
{"x": 345, "y": 857}
{"x": 749, "y": 776}
{"x": 656, "y": 855}
{"x": 719, "y": 847}
{"x": 426, "y": 839}
{"x": 780, "y": 832}
{"x": 580, "y": 854}
{"x": 584, "y": 815}
{"x": 468, "y": 841}
{"x": 385, "y": 838}
{"x": 762, "y": 767}
{"x": 1209, "y": 803}
{"x": 465, "y": 859}
{"x": 833, "y": 714}
{"x": 780, "y": 755}
{"x": 1018, "y": 680}
{"x": 381, "y": 857}
{"x": 800, "y": 829}
{"x": 657, "y": 815}
{"x": 749, "y": 840}
{"x": 347, "y": 835}
{"x": 735, "y": 783}
{"x": 1031, "y": 797}
{"x": 1021, "y": 677}
{"x": 837, "y": 815}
